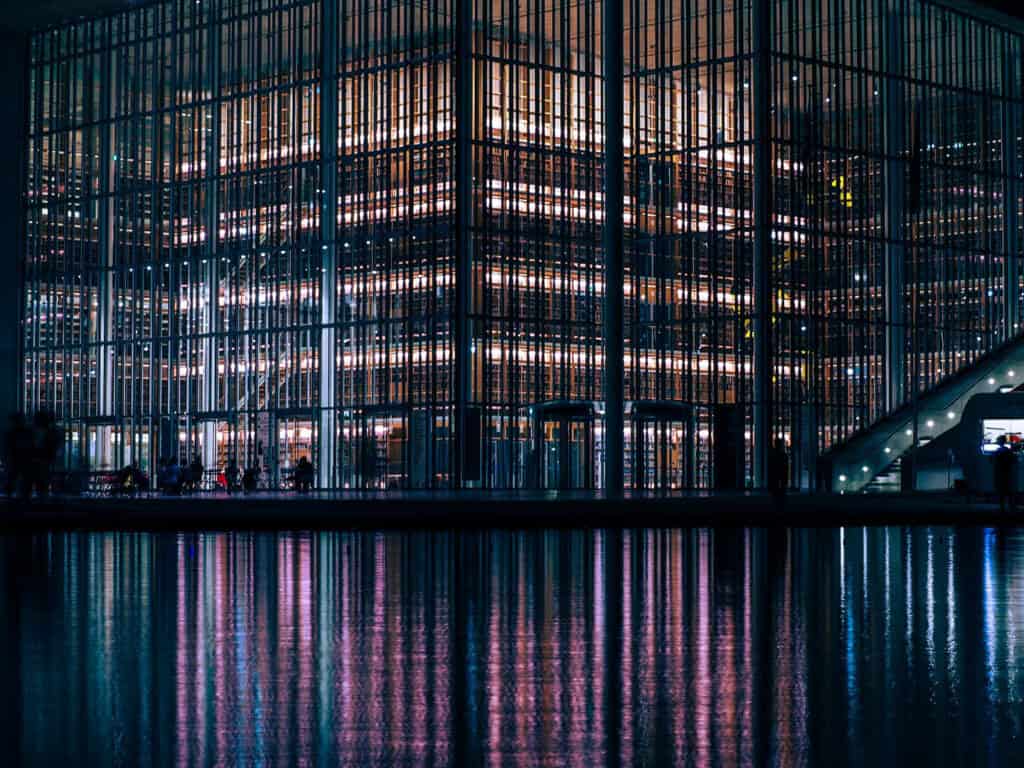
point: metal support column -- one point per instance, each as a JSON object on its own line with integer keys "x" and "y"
{"x": 105, "y": 295}
{"x": 1011, "y": 116}
{"x": 211, "y": 250}
{"x": 462, "y": 336}
{"x": 614, "y": 276}
{"x": 762, "y": 267}
{"x": 895, "y": 196}
{"x": 14, "y": 167}
{"x": 327, "y": 433}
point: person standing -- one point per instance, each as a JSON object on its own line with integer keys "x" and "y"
{"x": 173, "y": 477}
{"x": 778, "y": 473}
{"x": 1004, "y": 470}
{"x": 232, "y": 476}
{"x": 196, "y": 470}
{"x": 46, "y": 439}
{"x": 250, "y": 479}
{"x": 304, "y": 475}
{"x": 17, "y": 454}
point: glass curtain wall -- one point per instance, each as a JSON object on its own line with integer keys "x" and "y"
{"x": 244, "y": 242}
{"x": 63, "y": 197}
{"x": 395, "y": 245}
{"x": 896, "y": 131}
{"x": 176, "y": 248}
{"x": 260, "y": 288}
{"x": 688, "y": 213}
{"x": 537, "y": 258}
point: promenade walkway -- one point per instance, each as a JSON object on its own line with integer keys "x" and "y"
{"x": 470, "y": 509}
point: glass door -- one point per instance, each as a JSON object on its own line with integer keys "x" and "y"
{"x": 103, "y": 447}
{"x": 661, "y": 447}
{"x": 383, "y": 451}
{"x": 660, "y": 455}
{"x": 296, "y": 440}
{"x": 566, "y": 452}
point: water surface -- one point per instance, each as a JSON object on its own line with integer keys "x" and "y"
{"x": 715, "y": 647}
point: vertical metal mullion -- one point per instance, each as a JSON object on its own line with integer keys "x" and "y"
{"x": 1011, "y": 278}
{"x": 29, "y": 233}
{"x": 614, "y": 71}
{"x": 328, "y": 225}
{"x": 512, "y": 259}
{"x": 893, "y": 138}
{"x": 157, "y": 296}
{"x": 664, "y": 385}
{"x": 463, "y": 231}
{"x": 210, "y": 327}
{"x": 105, "y": 362}
{"x": 413, "y": 394}
{"x": 173, "y": 187}
{"x": 762, "y": 202}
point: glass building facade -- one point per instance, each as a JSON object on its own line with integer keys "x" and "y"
{"x": 374, "y": 233}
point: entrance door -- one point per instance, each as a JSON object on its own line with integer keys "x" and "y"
{"x": 661, "y": 446}
{"x": 296, "y": 439}
{"x": 565, "y": 449}
{"x": 103, "y": 447}
{"x": 382, "y": 462}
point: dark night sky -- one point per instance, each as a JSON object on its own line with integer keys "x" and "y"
{"x": 32, "y": 13}
{"x": 29, "y": 13}
{"x": 1011, "y": 7}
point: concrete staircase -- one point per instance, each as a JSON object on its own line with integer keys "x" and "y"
{"x": 853, "y": 465}
{"x": 888, "y": 480}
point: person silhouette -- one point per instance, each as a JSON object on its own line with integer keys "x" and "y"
{"x": 231, "y": 476}
{"x": 17, "y": 454}
{"x": 196, "y": 473}
{"x": 173, "y": 477}
{"x": 778, "y": 472}
{"x": 250, "y": 478}
{"x": 44, "y": 450}
{"x": 1004, "y": 466}
{"x": 304, "y": 475}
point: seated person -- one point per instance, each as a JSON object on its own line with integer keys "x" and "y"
{"x": 173, "y": 477}
{"x": 250, "y": 478}
{"x": 304, "y": 475}
{"x": 231, "y": 476}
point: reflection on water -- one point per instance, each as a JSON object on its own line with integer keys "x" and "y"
{"x": 729, "y": 647}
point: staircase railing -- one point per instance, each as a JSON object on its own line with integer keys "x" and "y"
{"x": 855, "y": 462}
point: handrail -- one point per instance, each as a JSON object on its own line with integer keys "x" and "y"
{"x": 857, "y": 460}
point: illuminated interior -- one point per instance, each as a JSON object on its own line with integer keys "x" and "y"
{"x": 1011, "y": 430}
{"x": 203, "y": 276}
